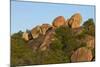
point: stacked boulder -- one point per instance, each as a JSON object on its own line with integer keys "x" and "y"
{"x": 36, "y": 32}
{"x": 58, "y": 21}
{"x": 75, "y": 21}
{"x": 45, "y": 32}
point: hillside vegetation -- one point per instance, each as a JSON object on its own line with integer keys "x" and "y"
{"x": 59, "y": 44}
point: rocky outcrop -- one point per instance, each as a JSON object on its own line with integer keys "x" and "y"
{"x": 36, "y": 43}
{"x": 42, "y": 42}
{"x": 75, "y": 20}
{"x": 47, "y": 40}
{"x": 63, "y": 41}
{"x": 40, "y": 30}
{"x": 82, "y": 54}
{"x": 58, "y": 21}
{"x": 47, "y": 31}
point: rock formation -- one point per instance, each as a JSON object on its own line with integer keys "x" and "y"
{"x": 75, "y": 20}
{"x": 44, "y": 28}
{"x": 36, "y": 43}
{"x": 63, "y": 41}
{"x": 44, "y": 33}
{"x": 58, "y": 21}
{"x": 40, "y": 30}
{"x": 82, "y": 54}
{"x": 47, "y": 40}
{"x": 36, "y": 32}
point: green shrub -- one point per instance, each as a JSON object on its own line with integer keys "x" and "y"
{"x": 21, "y": 54}
{"x": 89, "y": 27}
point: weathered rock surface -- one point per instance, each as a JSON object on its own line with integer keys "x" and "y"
{"x": 82, "y": 54}
{"x": 75, "y": 20}
{"x": 25, "y": 36}
{"x": 42, "y": 42}
{"x": 43, "y": 34}
{"x": 36, "y": 32}
{"x": 44, "y": 28}
{"x": 58, "y": 21}
{"x": 40, "y": 30}
{"x": 47, "y": 40}
{"x": 36, "y": 43}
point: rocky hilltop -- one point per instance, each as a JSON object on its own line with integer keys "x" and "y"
{"x": 65, "y": 35}
{"x": 73, "y": 22}
{"x": 47, "y": 30}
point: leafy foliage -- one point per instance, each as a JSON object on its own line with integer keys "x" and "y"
{"x": 89, "y": 27}
{"x": 20, "y": 53}
{"x": 66, "y": 40}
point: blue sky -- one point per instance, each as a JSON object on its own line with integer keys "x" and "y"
{"x": 26, "y": 15}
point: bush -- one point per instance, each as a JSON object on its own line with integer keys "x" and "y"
{"x": 89, "y": 27}
{"x": 67, "y": 41}
{"x": 20, "y": 53}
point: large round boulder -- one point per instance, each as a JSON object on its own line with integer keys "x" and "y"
{"x": 82, "y": 54}
{"x": 75, "y": 20}
{"x": 58, "y": 21}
